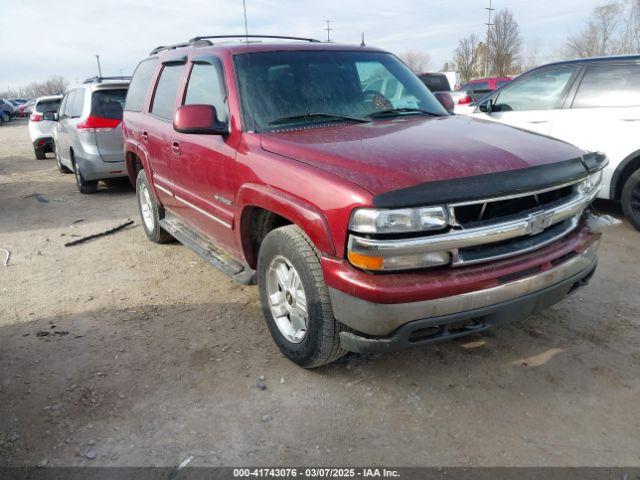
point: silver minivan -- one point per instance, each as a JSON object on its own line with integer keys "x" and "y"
{"x": 88, "y": 137}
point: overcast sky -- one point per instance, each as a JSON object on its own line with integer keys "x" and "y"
{"x": 40, "y": 38}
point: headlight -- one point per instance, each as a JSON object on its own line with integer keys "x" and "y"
{"x": 591, "y": 184}
{"x": 404, "y": 220}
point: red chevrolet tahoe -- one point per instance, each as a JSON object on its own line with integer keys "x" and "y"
{"x": 329, "y": 175}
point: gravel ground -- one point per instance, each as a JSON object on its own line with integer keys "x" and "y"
{"x": 149, "y": 356}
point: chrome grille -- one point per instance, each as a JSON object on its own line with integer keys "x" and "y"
{"x": 494, "y": 228}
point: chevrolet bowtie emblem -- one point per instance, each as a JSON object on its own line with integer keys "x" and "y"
{"x": 538, "y": 222}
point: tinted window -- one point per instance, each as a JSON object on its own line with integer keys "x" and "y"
{"x": 108, "y": 103}
{"x": 166, "y": 90}
{"x": 609, "y": 86}
{"x": 436, "y": 83}
{"x": 206, "y": 87}
{"x": 140, "y": 85}
{"x": 539, "y": 91}
{"x": 48, "y": 106}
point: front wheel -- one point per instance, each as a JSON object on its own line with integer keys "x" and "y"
{"x": 150, "y": 212}
{"x": 631, "y": 199}
{"x": 295, "y": 299}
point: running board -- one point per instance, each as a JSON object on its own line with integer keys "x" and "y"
{"x": 211, "y": 252}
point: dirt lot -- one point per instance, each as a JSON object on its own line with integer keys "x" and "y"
{"x": 162, "y": 355}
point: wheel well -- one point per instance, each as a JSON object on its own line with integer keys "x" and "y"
{"x": 134, "y": 165}
{"x": 255, "y": 224}
{"x": 629, "y": 165}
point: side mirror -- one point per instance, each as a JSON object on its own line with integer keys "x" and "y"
{"x": 485, "y": 106}
{"x": 50, "y": 116}
{"x": 198, "y": 119}
{"x": 446, "y": 100}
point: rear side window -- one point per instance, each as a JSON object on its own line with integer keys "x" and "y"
{"x": 108, "y": 103}
{"x": 609, "y": 86}
{"x": 140, "y": 85}
{"x": 206, "y": 87}
{"x": 165, "y": 97}
{"x": 436, "y": 83}
{"x": 48, "y": 106}
{"x": 74, "y": 104}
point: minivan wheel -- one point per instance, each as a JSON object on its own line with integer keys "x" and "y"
{"x": 40, "y": 155}
{"x": 631, "y": 199}
{"x": 150, "y": 212}
{"x": 61, "y": 167}
{"x": 84, "y": 186}
{"x": 295, "y": 299}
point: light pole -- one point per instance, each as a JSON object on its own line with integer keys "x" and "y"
{"x": 486, "y": 54}
{"x": 328, "y": 29}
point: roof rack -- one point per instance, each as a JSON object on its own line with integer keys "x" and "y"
{"x": 204, "y": 41}
{"x": 281, "y": 37}
{"x": 97, "y": 79}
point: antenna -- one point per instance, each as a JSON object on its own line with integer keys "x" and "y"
{"x": 362, "y": 44}
{"x": 328, "y": 29}
{"x": 486, "y": 48}
{"x": 246, "y": 28}
{"x": 99, "y": 67}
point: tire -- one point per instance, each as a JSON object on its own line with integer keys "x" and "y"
{"x": 61, "y": 167}
{"x": 631, "y": 199}
{"x": 40, "y": 155}
{"x": 5, "y": 117}
{"x": 150, "y": 212}
{"x": 288, "y": 249}
{"x": 85, "y": 187}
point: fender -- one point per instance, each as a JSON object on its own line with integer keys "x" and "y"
{"x": 298, "y": 211}
{"x": 138, "y": 149}
{"x": 616, "y": 190}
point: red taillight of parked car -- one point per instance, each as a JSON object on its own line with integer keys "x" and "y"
{"x": 464, "y": 100}
{"x": 98, "y": 123}
{"x": 35, "y": 117}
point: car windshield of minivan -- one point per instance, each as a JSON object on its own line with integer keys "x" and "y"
{"x": 280, "y": 89}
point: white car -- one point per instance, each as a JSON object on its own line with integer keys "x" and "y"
{"x": 591, "y": 103}
{"x": 42, "y": 124}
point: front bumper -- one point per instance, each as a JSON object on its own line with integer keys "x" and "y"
{"x": 385, "y": 327}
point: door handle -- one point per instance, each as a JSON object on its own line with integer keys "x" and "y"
{"x": 537, "y": 121}
{"x": 175, "y": 148}
{"x": 145, "y": 135}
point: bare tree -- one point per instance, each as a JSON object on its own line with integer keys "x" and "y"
{"x": 632, "y": 27}
{"x": 602, "y": 35}
{"x": 465, "y": 56}
{"x": 417, "y": 61}
{"x": 505, "y": 44}
{"x": 55, "y": 85}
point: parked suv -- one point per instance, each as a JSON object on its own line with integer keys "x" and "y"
{"x": 369, "y": 224}
{"x": 89, "y": 132}
{"x": 594, "y": 104}
{"x": 42, "y": 124}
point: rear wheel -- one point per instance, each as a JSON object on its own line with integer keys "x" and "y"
{"x": 150, "y": 212}
{"x": 39, "y": 151}
{"x": 631, "y": 199}
{"x": 295, "y": 299}
{"x": 84, "y": 186}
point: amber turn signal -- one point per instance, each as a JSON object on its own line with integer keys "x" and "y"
{"x": 365, "y": 261}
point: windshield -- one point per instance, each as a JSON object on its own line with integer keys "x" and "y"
{"x": 279, "y": 89}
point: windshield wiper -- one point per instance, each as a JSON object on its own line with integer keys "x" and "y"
{"x": 318, "y": 115}
{"x": 400, "y": 111}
